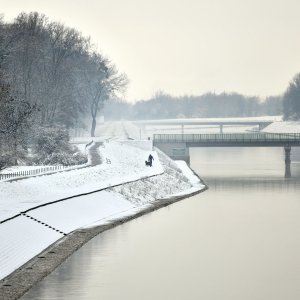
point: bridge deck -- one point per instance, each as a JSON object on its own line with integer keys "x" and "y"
{"x": 231, "y": 139}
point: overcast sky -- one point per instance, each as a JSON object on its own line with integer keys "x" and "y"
{"x": 186, "y": 46}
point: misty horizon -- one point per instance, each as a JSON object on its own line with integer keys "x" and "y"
{"x": 187, "y": 48}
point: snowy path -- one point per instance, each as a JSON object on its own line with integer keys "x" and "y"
{"x": 95, "y": 158}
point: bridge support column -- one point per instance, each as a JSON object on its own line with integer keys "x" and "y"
{"x": 287, "y": 150}
{"x": 177, "y": 151}
{"x": 221, "y": 128}
{"x": 182, "y": 128}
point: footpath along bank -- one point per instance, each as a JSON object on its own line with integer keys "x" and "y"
{"x": 57, "y": 214}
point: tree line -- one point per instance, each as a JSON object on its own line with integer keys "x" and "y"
{"x": 209, "y": 105}
{"x": 50, "y": 77}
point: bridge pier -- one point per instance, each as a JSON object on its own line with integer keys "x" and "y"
{"x": 221, "y": 128}
{"x": 287, "y": 150}
{"x": 176, "y": 151}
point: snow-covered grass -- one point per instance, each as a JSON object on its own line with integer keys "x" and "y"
{"x": 171, "y": 182}
{"x": 283, "y": 127}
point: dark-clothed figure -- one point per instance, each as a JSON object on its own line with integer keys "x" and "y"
{"x": 150, "y": 159}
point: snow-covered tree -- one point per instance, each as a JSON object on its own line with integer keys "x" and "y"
{"x": 291, "y": 100}
{"x": 52, "y": 147}
{"x": 15, "y": 123}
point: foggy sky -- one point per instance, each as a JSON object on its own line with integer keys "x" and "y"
{"x": 186, "y": 46}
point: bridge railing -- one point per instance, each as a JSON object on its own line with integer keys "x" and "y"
{"x": 228, "y": 137}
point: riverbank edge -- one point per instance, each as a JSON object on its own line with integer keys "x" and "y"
{"x": 23, "y": 279}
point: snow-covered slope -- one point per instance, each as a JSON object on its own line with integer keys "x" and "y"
{"x": 126, "y": 164}
{"x": 21, "y": 239}
{"x": 82, "y": 211}
{"x": 283, "y": 127}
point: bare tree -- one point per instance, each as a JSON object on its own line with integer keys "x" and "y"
{"x": 103, "y": 81}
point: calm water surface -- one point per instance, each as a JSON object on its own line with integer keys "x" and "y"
{"x": 238, "y": 240}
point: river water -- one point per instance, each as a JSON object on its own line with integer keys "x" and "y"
{"x": 238, "y": 240}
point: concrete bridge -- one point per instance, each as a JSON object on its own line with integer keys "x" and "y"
{"x": 221, "y": 122}
{"x": 177, "y": 145}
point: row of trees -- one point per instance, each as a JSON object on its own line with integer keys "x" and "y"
{"x": 209, "y": 105}
{"x": 50, "y": 76}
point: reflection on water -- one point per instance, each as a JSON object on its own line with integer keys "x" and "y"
{"x": 244, "y": 184}
{"x": 238, "y": 240}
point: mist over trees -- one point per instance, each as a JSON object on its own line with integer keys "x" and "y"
{"x": 209, "y": 105}
{"x": 50, "y": 77}
{"x": 291, "y": 100}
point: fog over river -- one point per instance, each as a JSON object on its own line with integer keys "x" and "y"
{"x": 237, "y": 240}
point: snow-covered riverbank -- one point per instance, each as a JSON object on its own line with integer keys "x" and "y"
{"x": 283, "y": 127}
{"x": 121, "y": 188}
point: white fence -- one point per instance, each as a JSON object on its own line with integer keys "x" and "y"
{"x": 38, "y": 171}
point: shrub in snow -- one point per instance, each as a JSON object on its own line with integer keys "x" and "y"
{"x": 5, "y": 161}
{"x": 51, "y": 147}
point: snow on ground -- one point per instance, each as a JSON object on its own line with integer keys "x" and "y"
{"x": 193, "y": 120}
{"x": 127, "y": 164}
{"x": 283, "y": 127}
{"x": 81, "y": 211}
{"x": 13, "y": 169}
{"x": 161, "y": 186}
{"x": 82, "y": 148}
{"x": 21, "y": 239}
{"x": 141, "y": 144}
